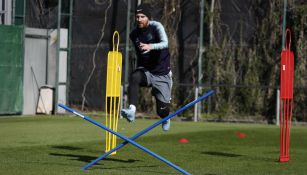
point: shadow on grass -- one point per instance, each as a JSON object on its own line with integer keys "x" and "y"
{"x": 88, "y": 159}
{"x": 247, "y": 157}
{"x": 151, "y": 169}
{"x": 66, "y": 147}
{"x": 213, "y": 153}
{"x": 137, "y": 169}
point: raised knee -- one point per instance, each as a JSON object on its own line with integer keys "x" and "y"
{"x": 136, "y": 77}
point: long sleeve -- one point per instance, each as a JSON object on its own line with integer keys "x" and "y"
{"x": 162, "y": 35}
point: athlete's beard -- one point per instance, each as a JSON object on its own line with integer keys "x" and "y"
{"x": 142, "y": 25}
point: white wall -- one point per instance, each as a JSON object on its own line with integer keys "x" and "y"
{"x": 35, "y": 62}
{"x": 40, "y": 66}
{"x": 6, "y": 12}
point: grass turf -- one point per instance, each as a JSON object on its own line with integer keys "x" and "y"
{"x": 64, "y": 144}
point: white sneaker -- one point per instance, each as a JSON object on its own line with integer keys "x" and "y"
{"x": 166, "y": 125}
{"x": 129, "y": 113}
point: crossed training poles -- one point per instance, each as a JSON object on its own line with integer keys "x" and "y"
{"x": 131, "y": 140}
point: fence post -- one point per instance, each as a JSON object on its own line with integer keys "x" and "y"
{"x": 196, "y": 106}
{"x": 277, "y": 106}
{"x": 122, "y": 100}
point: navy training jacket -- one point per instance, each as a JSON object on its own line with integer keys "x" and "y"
{"x": 157, "y": 60}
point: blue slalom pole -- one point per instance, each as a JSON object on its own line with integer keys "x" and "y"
{"x": 125, "y": 138}
{"x": 150, "y": 128}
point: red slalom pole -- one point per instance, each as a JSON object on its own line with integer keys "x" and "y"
{"x": 286, "y": 98}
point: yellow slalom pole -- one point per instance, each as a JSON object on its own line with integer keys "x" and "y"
{"x": 113, "y": 86}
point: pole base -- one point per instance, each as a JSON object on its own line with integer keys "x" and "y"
{"x": 113, "y": 153}
{"x": 284, "y": 158}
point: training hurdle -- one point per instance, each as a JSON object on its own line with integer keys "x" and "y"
{"x": 130, "y": 140}
{"x": 286, "y": 98}
{"x": 112, "y": 100}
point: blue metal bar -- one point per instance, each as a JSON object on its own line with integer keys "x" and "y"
{"x": 125, "y": 138}
{"x": 150, "y": 128}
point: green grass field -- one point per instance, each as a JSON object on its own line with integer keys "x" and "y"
{"x": 64, "y": 144}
